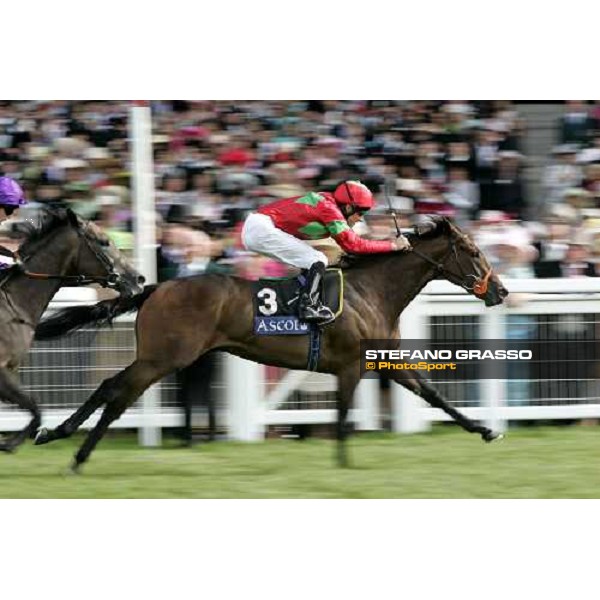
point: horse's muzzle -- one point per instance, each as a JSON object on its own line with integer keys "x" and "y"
{"x": 127, "y": 284}
{"x": 495, "y": 295}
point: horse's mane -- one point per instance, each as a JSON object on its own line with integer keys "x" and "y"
{"x": 432, "y": 226}
{"x": 46, "y": 221}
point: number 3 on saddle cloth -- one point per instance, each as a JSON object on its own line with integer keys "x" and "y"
{"x": 276, "y": 308}
{"x": 276, "y": 303}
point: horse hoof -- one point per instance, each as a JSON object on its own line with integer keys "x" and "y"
{"x": 491, "y": 436}
{"x": 7, "y": 448}
{"x": 42, "y": 437}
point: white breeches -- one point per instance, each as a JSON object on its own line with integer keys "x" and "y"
{"x": 259, "y": 234}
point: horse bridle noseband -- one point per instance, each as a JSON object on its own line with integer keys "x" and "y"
{"x": 110, "y": 280}
{"x": 480, "y": 284}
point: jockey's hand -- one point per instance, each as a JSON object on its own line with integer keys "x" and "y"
{"x": 402, "y": 244}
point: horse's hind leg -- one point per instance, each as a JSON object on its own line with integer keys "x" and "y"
{"x": 124, "y": 391}
{"x": 416, "y": 383}
{"x": 68, "y": 427}
{"x": 10, "y": 392}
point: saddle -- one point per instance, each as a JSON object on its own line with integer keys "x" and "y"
{"x": 276, "y": 303}
{"x": 6, "y": 266}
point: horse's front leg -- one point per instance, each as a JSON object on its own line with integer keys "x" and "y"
{"x": 416, "y": 383}
{"x": 348, "y": 379}
{"x": 10, "y": 392}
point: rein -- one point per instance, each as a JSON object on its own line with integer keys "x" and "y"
{"x": 108, "y": 280}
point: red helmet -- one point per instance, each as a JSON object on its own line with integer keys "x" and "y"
{"x": 355, "y": 193}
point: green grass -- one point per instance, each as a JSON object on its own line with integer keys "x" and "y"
{"x": 550, "y": 462}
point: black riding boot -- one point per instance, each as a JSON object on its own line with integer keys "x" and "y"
{"x": 310, "y": 308}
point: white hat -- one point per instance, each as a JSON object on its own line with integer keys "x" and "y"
{"x": 409, "y": 185}
{"x": 94, "y": 153}
{"x": 71, "y": 163}
{"x": 160, "y": 139}
{"x": 510, "y": 154}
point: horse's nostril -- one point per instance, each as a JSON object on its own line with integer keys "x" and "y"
{"x": 141, "y": 279}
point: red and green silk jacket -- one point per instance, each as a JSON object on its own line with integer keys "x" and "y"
{"x": 316, "y": 216}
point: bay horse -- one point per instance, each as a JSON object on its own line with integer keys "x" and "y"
{"x": 181, "y": 319}
{"x": 60, "y": 249}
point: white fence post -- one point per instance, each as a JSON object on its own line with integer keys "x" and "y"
{"x": 150, "y": 433}
{"x": 244, "y": 392}
{"x": 408, "y": 414}
{"x": 366, "y": 400}
{"x": 245, "y": 385}
{"x": 144, "y": 223}
{"x": 493, "y": 391}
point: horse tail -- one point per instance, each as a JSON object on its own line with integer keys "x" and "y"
{"x": 100, "y": 314}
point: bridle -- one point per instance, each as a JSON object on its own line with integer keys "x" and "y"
{"x": 480, "y": 284}
{"x": 110, "y": 280}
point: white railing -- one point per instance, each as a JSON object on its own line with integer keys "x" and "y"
{"x": 264, "y": 404}
{"x": 63, "y": 374}
{"x": 576, "y": 302}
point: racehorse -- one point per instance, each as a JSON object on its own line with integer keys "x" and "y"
{"x": 62, "y": 250}
{"x": 182, "y": 319}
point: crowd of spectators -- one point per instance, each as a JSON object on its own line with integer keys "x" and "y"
{"x": 215, "y": 161}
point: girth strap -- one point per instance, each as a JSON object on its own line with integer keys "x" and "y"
{"x": 314, "y": 347}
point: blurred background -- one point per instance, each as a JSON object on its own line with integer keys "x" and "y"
{"x": 522, "y": 177}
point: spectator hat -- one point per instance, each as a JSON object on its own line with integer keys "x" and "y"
{"x": 95, "y": 153}
{"x": 562, "y": 213}
{"x": 160, "y": 139}
{"x": 510, "y": 154}
{"x": 492, "y": 217}
{"x": 565, "y": 149}
{"x": 71, "y": 163}
{"x": 409, "y": 185}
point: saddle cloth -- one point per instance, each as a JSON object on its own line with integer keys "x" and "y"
{"x": 5, "y": 273}
{"x": 276, "y": 303}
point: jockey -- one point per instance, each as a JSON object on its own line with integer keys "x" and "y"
{"x": 11, "y": 198}
{"x": 277, "y": 230}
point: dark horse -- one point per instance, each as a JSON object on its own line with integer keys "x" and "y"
{"x": 182, "y": 319}
{"x": 61, "y": 250}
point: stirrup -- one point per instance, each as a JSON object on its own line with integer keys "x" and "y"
{"x": 319, "y": 314}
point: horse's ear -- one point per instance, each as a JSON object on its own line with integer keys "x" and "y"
{"x": 73, "y": 218}
{"x": 425, "y": 226}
